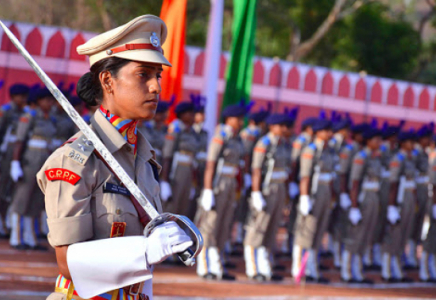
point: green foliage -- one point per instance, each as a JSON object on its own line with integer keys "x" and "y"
{"x": 381, "y": 46}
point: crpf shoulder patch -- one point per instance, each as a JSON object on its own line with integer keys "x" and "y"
{"x": 62, "y": 174}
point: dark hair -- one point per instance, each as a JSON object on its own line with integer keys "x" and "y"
{"x": 89, "y": 86}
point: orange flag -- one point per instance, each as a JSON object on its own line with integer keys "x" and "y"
{"x": 173, "y": 13}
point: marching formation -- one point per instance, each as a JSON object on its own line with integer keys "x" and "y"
{"x": 369, "y": 188}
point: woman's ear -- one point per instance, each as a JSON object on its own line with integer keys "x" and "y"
{"x": 106, "y": 81}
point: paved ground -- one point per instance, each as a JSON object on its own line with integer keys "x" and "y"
{"x": 30, "y": 275}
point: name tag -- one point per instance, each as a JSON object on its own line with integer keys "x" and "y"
{"x": 115, "y": 189}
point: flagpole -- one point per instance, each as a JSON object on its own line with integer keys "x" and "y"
{"x": 212, "y": 65}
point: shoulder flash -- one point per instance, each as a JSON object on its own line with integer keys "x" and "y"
{"x": 363, "y": 153}
{"x": 349, "y": 146}
{"x": 32, "y": 112}
{"x": 383, "y": 148}
{"x": 6, "y": 107}
{"x": 415, "y": 152}
{"x": 312, "y": 146}
{"x": 266, "y": 140}
{"x": 80, "y": 150}
{"x": 301, "y": 138}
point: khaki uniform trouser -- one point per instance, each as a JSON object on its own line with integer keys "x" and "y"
{"x": 321, "y": 211}
{"x": 382, "y": 222}
{"x": 262, "y": 227}
{"x": 215, "y": 225}
{"x": 421, "y": 209}
{"x": 361, "y": 236}
{"x": 181, "y": 189}
{"x": 429, "y": 244}
{"x": 397, "y": 235}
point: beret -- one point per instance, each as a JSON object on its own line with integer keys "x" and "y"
{"x": 19, "y": 89}
{"x": 138, "y": 40}
{"x": 235, "y": 110}
{"x": 406, "y": 135}
{"x": 309, "y": 121}
{"x": 322, "y": 124}
{"x": 162, "y": 107}
{"x": 274, "y": 119}
{"x": 344, "y": 123}
{"x": 371, "y": 132}
{"x": 184, "y": 107}
{"x": 259, "y": 116}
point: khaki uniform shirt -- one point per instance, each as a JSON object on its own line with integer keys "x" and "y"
{"x": 315, "y": 155}
{"x": 9, "y": 116}
{"x": 179, "y": 138}
{"x": 225, "y": 144}
{"x": 422, "y": 160}
{"x": 298, "y": 145}
{"x": 432, "y": 166}
{"x": 402, "y": 164}
{"x": 366, "y": 165}
{"x": 80, "y": 191}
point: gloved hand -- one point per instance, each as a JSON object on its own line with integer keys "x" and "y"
{"x": 247, "y": 180}
{"x": 393, "y": 214}
{"x": 293, "y": 189}
{"x": 344, "y": 201}
{"x": 434, "y": 211}
{"x": 305, "y": 205}
{"x": 166, "y": 239}
{"x": 207, "y": 200}
{"x": 165, "y": 191}
{"x": 16, "y": 171}
{"x": 355, "y": 215}
{"x": 258, "y": 200}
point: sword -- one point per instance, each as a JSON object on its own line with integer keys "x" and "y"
{"x": 188, "y": 257}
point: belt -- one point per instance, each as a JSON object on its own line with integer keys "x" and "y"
{"x": 201, "y": 156}
{"x": 12, "y": 138}
{"x": 38, "y": 144}
{"x": 229, "y": 170}
{"x": 325, "y": 177}
{"x": 385, "y": 174}
{"x": 66, "y": 287}
{"x": 281, "y": 175}
{"x": 422, "y": 179}
{"x": 184, "y": 158}
{"x": 371, "y": 186}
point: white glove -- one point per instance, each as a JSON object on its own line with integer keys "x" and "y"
{"x": 258, "y": 200}
{"x": 207, "y": 200}
{"x": 165, "y": 191}
{"x": 393, "y": 214}
{"x": 434, "y": 211}
{"x": 16, "y": 171}
{"x": 305, "y": 205}
{"x": 293, "y": 189}
{"x": 355, "y": 215}
{"x": 344, "y": 201}
{"x": 166, "y": 239}
{"x": 247, "y": 180}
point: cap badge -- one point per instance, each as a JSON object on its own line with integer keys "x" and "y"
{"x": 154, "y": 40}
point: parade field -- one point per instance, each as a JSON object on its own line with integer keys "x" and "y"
{"x": 31, "y": 275}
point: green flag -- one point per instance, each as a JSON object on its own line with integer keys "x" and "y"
{"x": 240, "y": 70}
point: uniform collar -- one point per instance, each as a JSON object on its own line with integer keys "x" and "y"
{"x": 114, "y": 141}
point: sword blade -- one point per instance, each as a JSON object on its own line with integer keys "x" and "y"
{"x": 86, "y": 130}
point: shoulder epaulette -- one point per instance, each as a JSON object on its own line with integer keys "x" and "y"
{"x": 349, "y": 146}
{"x": 363, "y": 153}
{"x": 301, "y": 139}
{"x": 80, "y": 150}
{"x": 32, "y": 112}
{"x": 383, "y": 148}
{"x": 415, "y": 152}
{"x": 401, "y": 156}
{"x": 312, "y": 146}
{"x": 175, "y": 126}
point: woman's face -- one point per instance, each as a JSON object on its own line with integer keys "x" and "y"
{"x": 134, "y": 92}
{"x": 46, "y": 104}
{"x": 374, "y": 143}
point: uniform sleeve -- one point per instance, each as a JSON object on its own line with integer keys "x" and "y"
{"x": 297, "y": 147}
{"x": 259, "y": 153}
{"x": 215, "y": 147}
{"x": 395, "y": 169}
{"x": 68, "y": 187}
{"x": 248, "y": 141}
{"x": 345, "y": 160}
{"x": 432, "y": 168}
{"x": 23, "y": 127}
{"x": 306, "y": 162}
{"x": 357, "y": 167}
{"x": 169, "y": 146}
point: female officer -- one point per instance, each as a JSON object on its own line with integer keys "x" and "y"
{"x": 86, "y": 205}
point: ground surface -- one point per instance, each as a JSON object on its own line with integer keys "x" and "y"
{"x": 30, "y": 275}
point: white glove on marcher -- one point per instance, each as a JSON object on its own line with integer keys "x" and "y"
{"x": 247, "y": 180}
{"x": 305, "y": 205}
{"x": 16, "y": 171}
{"x": 393, "y": 214}
{"x": 165, "y": 191}
{"x": 355, "y": 215}
{"x": 344, "y": 201}
{"x": 166, "y": 239}
{"x": 258, "y": 201}
{"x": 207, "y": 200}
{"x": 293, "y": 189}
{"x": 434, "y": 211}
